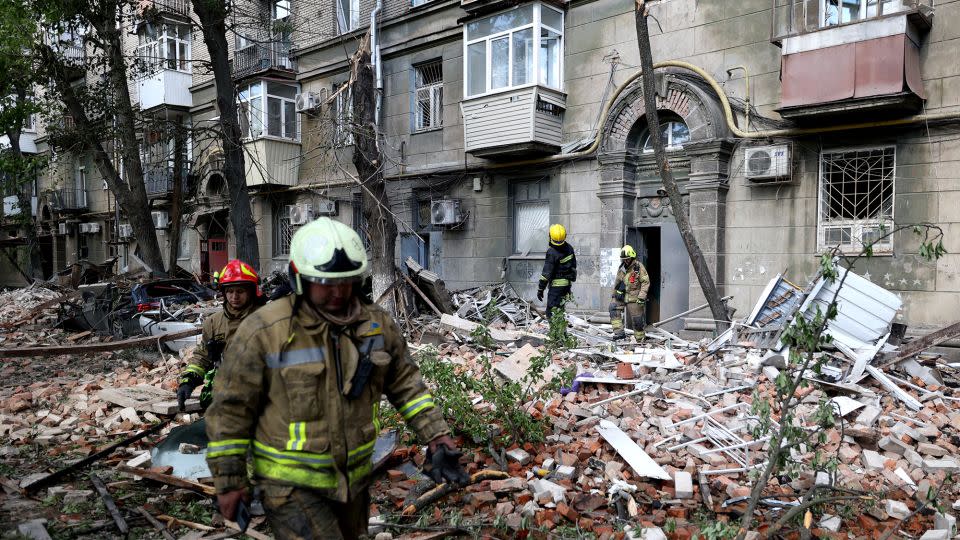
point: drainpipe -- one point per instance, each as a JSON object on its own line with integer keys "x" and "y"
{"x": 728, "y": 116}
{"x": 375, "y": 57}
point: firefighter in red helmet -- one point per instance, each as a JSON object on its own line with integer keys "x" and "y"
{"x": 240, "y": 285}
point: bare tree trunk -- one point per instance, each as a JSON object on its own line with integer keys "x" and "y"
{"x": 212, "y": 15}
{"x": 700, "y": 267}
{"x": 381, "y": 228}
{"x": 132, "y": 194}
{"x": 176, "y": 195}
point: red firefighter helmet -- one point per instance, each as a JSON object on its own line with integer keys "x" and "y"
{"x": 237, "y": 272}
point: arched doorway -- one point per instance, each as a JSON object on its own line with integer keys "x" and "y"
{"x": 635, "y": 207}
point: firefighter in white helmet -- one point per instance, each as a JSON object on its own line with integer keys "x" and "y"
{"x": 300, "y": 389}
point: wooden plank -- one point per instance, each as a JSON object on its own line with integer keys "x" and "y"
{"x": 96, "y": 347}
{"x": 53, "y": 477}
{"x": 145, "y": 398}
{"x": 919, "y": 345}
{"x": 631, "y": 452}
{"x": 156, "y": 524}
{"x": 81, "y": 335}
{"x": 169, "y": 480}
{"x": 420, "y": 293}
{"x": 110, "y": 504}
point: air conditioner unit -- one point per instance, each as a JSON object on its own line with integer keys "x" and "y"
{"x": 301, "y": 214}
{"x": 307, "y": 101}
{"x": 126, "y": 230}
{"x": 446, "y": 212}
{"x": 767, "y": 162}
{"x": 63, "y": 228}
{"x": 326, "y": 207}
{"x": 161, "y": 219}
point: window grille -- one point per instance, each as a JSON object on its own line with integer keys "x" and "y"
{"x": 429, "y": 96}
{"x": 856, "y": 199}
{"x": 282, "y": 231}
{"x": 343, "y": 116}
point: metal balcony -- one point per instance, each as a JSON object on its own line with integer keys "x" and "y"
{"x": 262, "y": 57}
{"x": 176, "y": 7}
{"x": 525, "y": 121}
{"x": 798, "y": 17}
{"x": 69, "y": 199}
{"x": 159, "y": 181}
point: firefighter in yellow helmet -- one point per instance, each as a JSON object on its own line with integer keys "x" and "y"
{"x": 240, "y": 285}
{"x": 298, "y": 396}
{"x": 559, "y": 269}
{"x": 630, "y": 294}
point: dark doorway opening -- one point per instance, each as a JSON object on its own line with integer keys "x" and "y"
{"x": 46, "y": 255}
{"x": 646, "y": 242}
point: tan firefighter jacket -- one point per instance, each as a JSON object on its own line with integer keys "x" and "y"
{"x": 635, "y": 280}
{"x": 219, "y": 326}
{"x": 282, "y": 395}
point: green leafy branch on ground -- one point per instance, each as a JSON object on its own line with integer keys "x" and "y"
{"x": 806, "y": 339}
{"x": 502, "y": 418}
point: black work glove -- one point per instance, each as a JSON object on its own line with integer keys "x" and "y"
{"x": 445, "y": 466}
{"x": 540, "y": 295}
{"x": 183, "y": 394}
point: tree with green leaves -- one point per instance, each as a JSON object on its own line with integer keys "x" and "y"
{"x": 18, "y": 108}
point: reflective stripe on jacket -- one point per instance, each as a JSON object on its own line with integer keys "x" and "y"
{"x": 559, "y": 266}
{"x": 220, "y": 325}
{"x": 635, "y": 282}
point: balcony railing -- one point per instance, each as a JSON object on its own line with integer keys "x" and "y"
{"x": 70, "y": 199}
{"x": 159, "y": 181}
{"x": 179, "y": 7}
{"x": 261, "y": 57}
{"x": 796, "y": 17}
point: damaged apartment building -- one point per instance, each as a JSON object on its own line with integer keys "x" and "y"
{"x": 792, "y": 126}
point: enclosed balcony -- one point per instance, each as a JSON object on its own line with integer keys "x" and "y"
{"x": 159, "y": 182}
{"x": 850, "y": 58}
{"x": 69, "y": 200}
{"x": 166, "y": 87}
{"x": 257, "y": 58}
{"x": 170, "y": 7}
{"x": 525, "y": 121}
{"x": 514, "y": 102}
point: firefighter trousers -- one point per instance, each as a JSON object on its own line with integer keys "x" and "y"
{"x": 302, "y": 514}
{"x": 555, "y": 298}
{"x": 636, "y": 316}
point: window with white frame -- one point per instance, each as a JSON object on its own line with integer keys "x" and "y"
{"x": 428, "y": 98}
{"x": 268, "y": 108}
{"x": 531, "y": 215}
{"x": 164, "y": 46}
{"x": 856, "y": 199}
{"x": 342, "y": 115}
{"x": 520, "y": 46}
{"x": 834, "y": 12}
{"x": 416, "y": 3}
{"x": 348, "y": 15}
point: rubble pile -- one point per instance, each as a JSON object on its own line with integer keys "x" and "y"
{"x": 17, "y": 304}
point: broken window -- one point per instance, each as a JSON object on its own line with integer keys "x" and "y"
{"x": 856, "y": 199}
{"x": 428, "y": 113}
{"x": 531, "y": 216}
{"x": 673, "y": 133}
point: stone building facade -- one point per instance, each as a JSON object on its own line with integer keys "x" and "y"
{"x": 792, "y": 126}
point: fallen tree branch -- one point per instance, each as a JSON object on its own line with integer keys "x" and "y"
{"x": 171, "y": 521}
{"x": 169, "y": 480}
{"x": 96, "y": 347}
{"x": 442, "y": 490}
{"x": 53, "y": 477}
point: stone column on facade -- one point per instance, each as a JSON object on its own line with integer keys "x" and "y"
{"x": 707, "y": 188}
{"x": 618, "y": 194}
